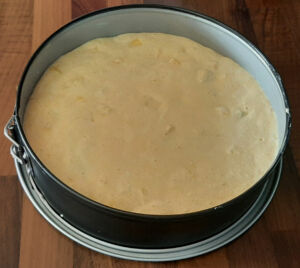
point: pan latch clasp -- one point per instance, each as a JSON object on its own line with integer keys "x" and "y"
{"x": 16, "y": 150}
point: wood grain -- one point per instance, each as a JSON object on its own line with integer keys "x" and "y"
{"x": 48, "y": 16}
{"x": 15, "y": 48}
{"x": 11, "y": 210}
{"x": 111, "y": 3}
{"x": 81, "y": 7}
{"x": 27, "y": 240}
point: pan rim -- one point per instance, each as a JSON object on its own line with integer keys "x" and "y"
{"x": 141, "y": 216}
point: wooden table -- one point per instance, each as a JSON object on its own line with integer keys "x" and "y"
{"x": 27, "y": 240}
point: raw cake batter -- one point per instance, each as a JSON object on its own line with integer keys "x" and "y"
{"x": 152, "y": 123}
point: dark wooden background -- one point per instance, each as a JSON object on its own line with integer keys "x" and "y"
{"x": 27, "y": 240}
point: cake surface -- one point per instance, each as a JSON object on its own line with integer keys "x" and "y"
{"x": 151, "y": 123}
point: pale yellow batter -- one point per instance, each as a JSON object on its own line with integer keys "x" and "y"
{"x": 152, "y": 123}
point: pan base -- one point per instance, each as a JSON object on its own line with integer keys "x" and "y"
{"x": 152, "y": 255}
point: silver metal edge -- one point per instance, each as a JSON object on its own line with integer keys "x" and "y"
{"x": 150, "y": 255}
{"x": 16, "y": 150}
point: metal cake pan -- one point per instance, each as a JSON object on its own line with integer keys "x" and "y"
{"x": 121, "y": 227}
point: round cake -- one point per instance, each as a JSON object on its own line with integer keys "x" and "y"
{"x": 152, "y": 123}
